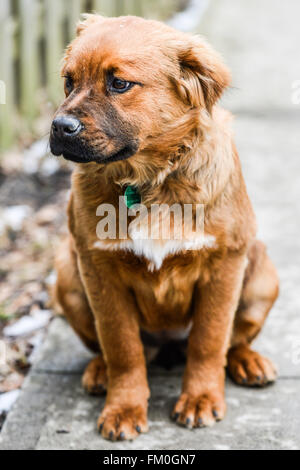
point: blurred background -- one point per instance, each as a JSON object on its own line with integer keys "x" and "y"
{"x": 33, "y": 35}
{"x": 260, "y": 42}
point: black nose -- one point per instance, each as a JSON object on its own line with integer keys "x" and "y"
{"x": 66, "y": 126}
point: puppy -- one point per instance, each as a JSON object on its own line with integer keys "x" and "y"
{"x": 141, "y": 115}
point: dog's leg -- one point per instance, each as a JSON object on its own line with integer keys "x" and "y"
{"x": 202, "y": 400}
{"x": 69, "y": 293}
{"x": 116, "y": 318}
{"x": 260, "y": 290}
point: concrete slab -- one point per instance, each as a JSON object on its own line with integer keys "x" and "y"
{"x": 62, "y": 351}
{"x": 53, "y": 412}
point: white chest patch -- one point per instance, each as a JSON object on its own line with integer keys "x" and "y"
{"x": 155, "y": 251}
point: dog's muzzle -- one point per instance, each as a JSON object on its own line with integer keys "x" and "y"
{"x": 67, "y": 139}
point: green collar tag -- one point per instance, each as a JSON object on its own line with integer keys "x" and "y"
{"x": 132, "y": 196}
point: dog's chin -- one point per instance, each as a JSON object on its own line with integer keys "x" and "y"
{"x": 88, "y": 157}
{"x": 126, "y": 152}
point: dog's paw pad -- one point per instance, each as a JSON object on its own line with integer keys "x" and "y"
{"x": 249, "y": 368}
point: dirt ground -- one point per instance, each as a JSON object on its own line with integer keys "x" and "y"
{"x": 34, "y": 190}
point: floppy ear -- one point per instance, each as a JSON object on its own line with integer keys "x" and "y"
{"x": 88, "y": 19}
{"x": 204, "y": 76}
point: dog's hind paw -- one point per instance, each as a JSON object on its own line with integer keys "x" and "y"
{"x": 249, "y": 368}
{"x": 94, "y": 379}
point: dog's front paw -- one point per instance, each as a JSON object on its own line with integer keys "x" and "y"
{"x": 199, "y": 411}
{"x": 122, "y": 422}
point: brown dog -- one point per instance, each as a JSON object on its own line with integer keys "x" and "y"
{"x": 140, "y": 111}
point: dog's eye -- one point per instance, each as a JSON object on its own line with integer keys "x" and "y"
{"x": 120, "y": 86}
{"x": 69, "y": 84}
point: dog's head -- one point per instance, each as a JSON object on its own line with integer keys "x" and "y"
{"x": 126, "y": 80}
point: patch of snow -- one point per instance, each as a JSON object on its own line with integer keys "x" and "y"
{"x": 51, "y": 279}
{"x": 49, "y": 166}
{"x": 13, "y": 217}
{"x": 7, "y": 400}
{"x": 28, "y": 324}
{"x": 36, "y": 341}
{"x": 34, "y": 154}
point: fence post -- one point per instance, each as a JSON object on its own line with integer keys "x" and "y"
{"x": 29, "y": 61}
{"x": 133, "y": 7}
{"x": 47, "y": 23}
{"x": 73, "y": 9}
{"x": 54, "y": 48}
{"x": 167, "y": 6}
{"x": 7, "y": 123}
{"x": 153, "y": 9}
{"x": 105, "y": 7}
{"x": 120, "y": 7}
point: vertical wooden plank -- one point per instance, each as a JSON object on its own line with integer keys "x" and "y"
{"x": 28, "y": 54}
{"x": 7, "y": 109}
{"x": 105, "y": 7}
{"x": 54, "y": 48}
{"x": 128, "y": 7}
{"x": 134, "y": 7}
{"x": 151, "y": 9}
{"x": 73, "y": 10}
{"x": 120, "y": 6}
{"x": 167, "y": 7}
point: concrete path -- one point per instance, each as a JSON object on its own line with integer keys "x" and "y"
{"x": 260, "y": 41}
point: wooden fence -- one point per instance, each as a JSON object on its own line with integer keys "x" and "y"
{"x": 33, "y": 35}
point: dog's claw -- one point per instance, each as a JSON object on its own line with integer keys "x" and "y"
{"x": 120, "y": 424}
{"x": 199, "y": 411}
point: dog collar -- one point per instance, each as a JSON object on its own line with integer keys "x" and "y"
{"x": 132, "y": 196}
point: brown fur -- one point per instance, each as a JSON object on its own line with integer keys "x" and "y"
{"x": 184, "y": 154}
